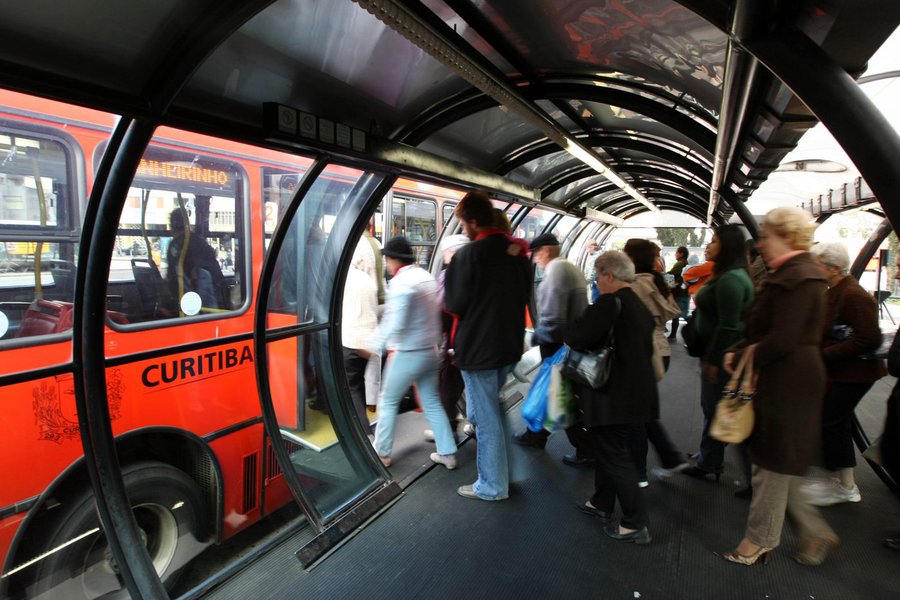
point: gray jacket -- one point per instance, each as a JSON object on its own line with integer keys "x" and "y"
{"x": 561, "y": 297}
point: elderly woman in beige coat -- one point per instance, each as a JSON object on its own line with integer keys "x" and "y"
{"x": 783, "y": 332}
{"x": 653, "y": 291}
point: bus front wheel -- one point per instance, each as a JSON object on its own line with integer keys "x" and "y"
{"x": 168, "y": 508}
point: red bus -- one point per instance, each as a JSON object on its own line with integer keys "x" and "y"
{"x": 182, "y": 393}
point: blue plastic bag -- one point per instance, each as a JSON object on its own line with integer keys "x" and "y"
{"x": 534, "y": 408}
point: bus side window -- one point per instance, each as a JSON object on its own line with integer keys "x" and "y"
{"x": 38, "y": 240}
{"x": 179, "y": 248}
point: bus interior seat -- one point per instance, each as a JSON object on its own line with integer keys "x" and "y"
{"x": 44, "y": 317}
{"x": 150, "y": 287}
{"x": 63, "y": 273}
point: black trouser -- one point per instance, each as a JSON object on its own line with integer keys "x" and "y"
{"x": 712, "y": 451}
{"x": 615, "y": 476}
{"x": 837, "y": 417}
{"x": 655, "y": 433}
{"x": 577, "y": 434}
{"x": 450, "y": 387}
{"x": 355, "y": 366}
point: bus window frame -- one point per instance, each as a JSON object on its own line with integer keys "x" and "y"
{"x": 404, "y": 196}
{"x": 243, "y": 203}
{"x": 444, "y": 206}
{"x": 68, "y": 233}
{"x": 75, "y": 172}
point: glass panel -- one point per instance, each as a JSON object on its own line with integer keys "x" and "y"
{"x": 418, "y": 224}
{"x": 331, "y": 473}
{"x": 304, "y": 274}
{"x": 58, "y": 552}
{"x": 533, "y": 223}
{"x": 180, "y": 243}
{"x": 447, "y": 213}
{"x": 564, "y": 227}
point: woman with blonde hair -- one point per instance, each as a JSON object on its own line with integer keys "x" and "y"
{"x": 783, "y": 333}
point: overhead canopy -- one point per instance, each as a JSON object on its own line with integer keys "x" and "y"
{"x": 661, "y": 92}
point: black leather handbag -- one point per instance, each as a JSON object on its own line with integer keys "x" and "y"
{"x": 592, "y": 368}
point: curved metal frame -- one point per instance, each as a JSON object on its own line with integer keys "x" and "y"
{"x": 260, "y": 339}
{"x": 868, "y": 250}
{"x": 88, "y": 349}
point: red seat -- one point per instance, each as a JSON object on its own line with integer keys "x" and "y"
{"x": 44, "y": 317}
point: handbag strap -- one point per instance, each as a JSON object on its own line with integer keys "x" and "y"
{"x": 737, "y": 376}
{"x": 611, "y": 337}
{"x": 748, "y": 384}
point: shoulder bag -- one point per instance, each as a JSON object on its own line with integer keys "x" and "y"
{"x": 592, "y": 368}
{"x": 734, "y": 418}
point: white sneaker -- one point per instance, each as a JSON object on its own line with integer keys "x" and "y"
{"x": 469, "y": 430}
{"x": 428, "y": 434}
{"x": 448, "y": 460}
{"x": 830, "y": 491}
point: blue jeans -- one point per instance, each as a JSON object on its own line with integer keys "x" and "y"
{"x": 483, "y": 401}
{"x": 404, "y": 368}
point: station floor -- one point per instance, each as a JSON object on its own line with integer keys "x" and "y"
{"x": 434, "y": 544}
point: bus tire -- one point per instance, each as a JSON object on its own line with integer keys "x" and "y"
{"x": 168, "y": 507}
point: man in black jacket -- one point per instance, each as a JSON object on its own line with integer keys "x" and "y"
{"x": 487, "y": 287}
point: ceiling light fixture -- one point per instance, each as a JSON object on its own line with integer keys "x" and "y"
{"x": 407, "y": 24}
{"x": 596, "y": 215}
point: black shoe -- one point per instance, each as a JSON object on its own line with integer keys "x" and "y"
{"x": 744, "y": 493}
{"x": 893, "y": 543}
{"x": 639, "y": 537}
{"x": 695, "y": 471}
{"x": 573, "y": 460}
{"x": 604, "y": 516}
{"x": 532, "y": 439}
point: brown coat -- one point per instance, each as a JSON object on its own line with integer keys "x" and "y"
{"x": 786, "y": 323}
{"x": 849, "y": 304}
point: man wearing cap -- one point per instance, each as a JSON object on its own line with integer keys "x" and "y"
{"x": 411, "y": 328}
{"x": 561, "y": 297}
{"x": 487, "y": 287}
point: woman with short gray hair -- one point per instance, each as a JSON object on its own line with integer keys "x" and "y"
{"x": 832, "y": 254}
{"x": 628, "y": 400}
{"x": 849, "y": 330}
{"x": 615, "y": 263}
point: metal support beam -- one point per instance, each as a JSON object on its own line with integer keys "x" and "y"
{"x": 869, "y": 139}
{"x": 450, "y": 52}
{"x": 740, "y": 73}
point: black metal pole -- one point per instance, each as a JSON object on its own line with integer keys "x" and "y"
{"x": 95, "y": 253}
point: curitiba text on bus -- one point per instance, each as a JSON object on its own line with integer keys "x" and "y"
{"x": 205, "y": 364}
{"x": 182, "y": 172}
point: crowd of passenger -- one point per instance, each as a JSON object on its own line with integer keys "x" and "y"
{"x": 784, "y": 304}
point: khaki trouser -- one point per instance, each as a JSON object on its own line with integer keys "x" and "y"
{"x": 775, "y": 494}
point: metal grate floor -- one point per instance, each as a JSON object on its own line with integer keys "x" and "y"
{"x": 435, "y": 544}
